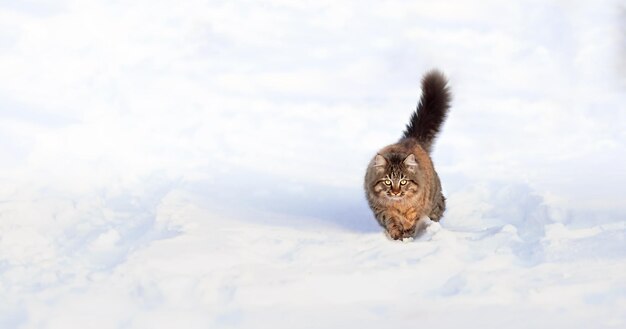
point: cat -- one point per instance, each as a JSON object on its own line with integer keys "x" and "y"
{"x": 401, "y": 184}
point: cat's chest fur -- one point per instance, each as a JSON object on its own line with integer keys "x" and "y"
{"x": 401, "y": 184}
{"x": 407, "y": 212}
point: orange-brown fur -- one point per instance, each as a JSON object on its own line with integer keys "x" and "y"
{"x": 401, "y": 183}
{"x": 400, "y": 217}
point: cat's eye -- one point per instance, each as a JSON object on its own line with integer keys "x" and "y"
{"x": 387, "y": 182}
{"x": 403, "y": 182}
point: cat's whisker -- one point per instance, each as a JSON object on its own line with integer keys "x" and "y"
{"x": 401, "y": 183}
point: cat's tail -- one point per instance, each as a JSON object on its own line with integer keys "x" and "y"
{"x": 431, "y": 111}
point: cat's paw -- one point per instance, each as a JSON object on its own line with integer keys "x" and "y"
{"x": 395, "y": 232}
{"x": 408, "y": 233}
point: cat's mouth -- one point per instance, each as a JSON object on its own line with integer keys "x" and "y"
{"x": 395, "y": 197}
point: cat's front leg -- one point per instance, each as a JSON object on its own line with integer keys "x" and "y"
{"x": 391, "y": 223}
{"x": 394, "y": 229}
{"x": 409, "y": 232}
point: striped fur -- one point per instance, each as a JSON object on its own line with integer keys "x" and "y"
{"x": 401, "y": 184}
{"x": 431, "y": 111}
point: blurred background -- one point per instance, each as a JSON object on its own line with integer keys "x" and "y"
{"x": 269, "y": 111}
{"x": 280, "y": 102}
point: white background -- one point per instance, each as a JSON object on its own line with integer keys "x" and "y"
{"x": 198, "y": 164}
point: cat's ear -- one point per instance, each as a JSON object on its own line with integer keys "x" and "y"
{"x": 410, "y": 162}
{"x": 380, "y": 161}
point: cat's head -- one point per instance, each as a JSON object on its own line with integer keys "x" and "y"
{"x": 394, "y": 176}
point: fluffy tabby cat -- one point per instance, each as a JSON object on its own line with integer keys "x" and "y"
{"x": 401, "y": 184}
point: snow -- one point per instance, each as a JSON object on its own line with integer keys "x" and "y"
{"x": 199, "y": 165}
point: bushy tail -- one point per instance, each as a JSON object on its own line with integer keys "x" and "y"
{"x": 431, "y": 110}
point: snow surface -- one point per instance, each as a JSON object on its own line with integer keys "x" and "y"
{"x": 199, "y": 164}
